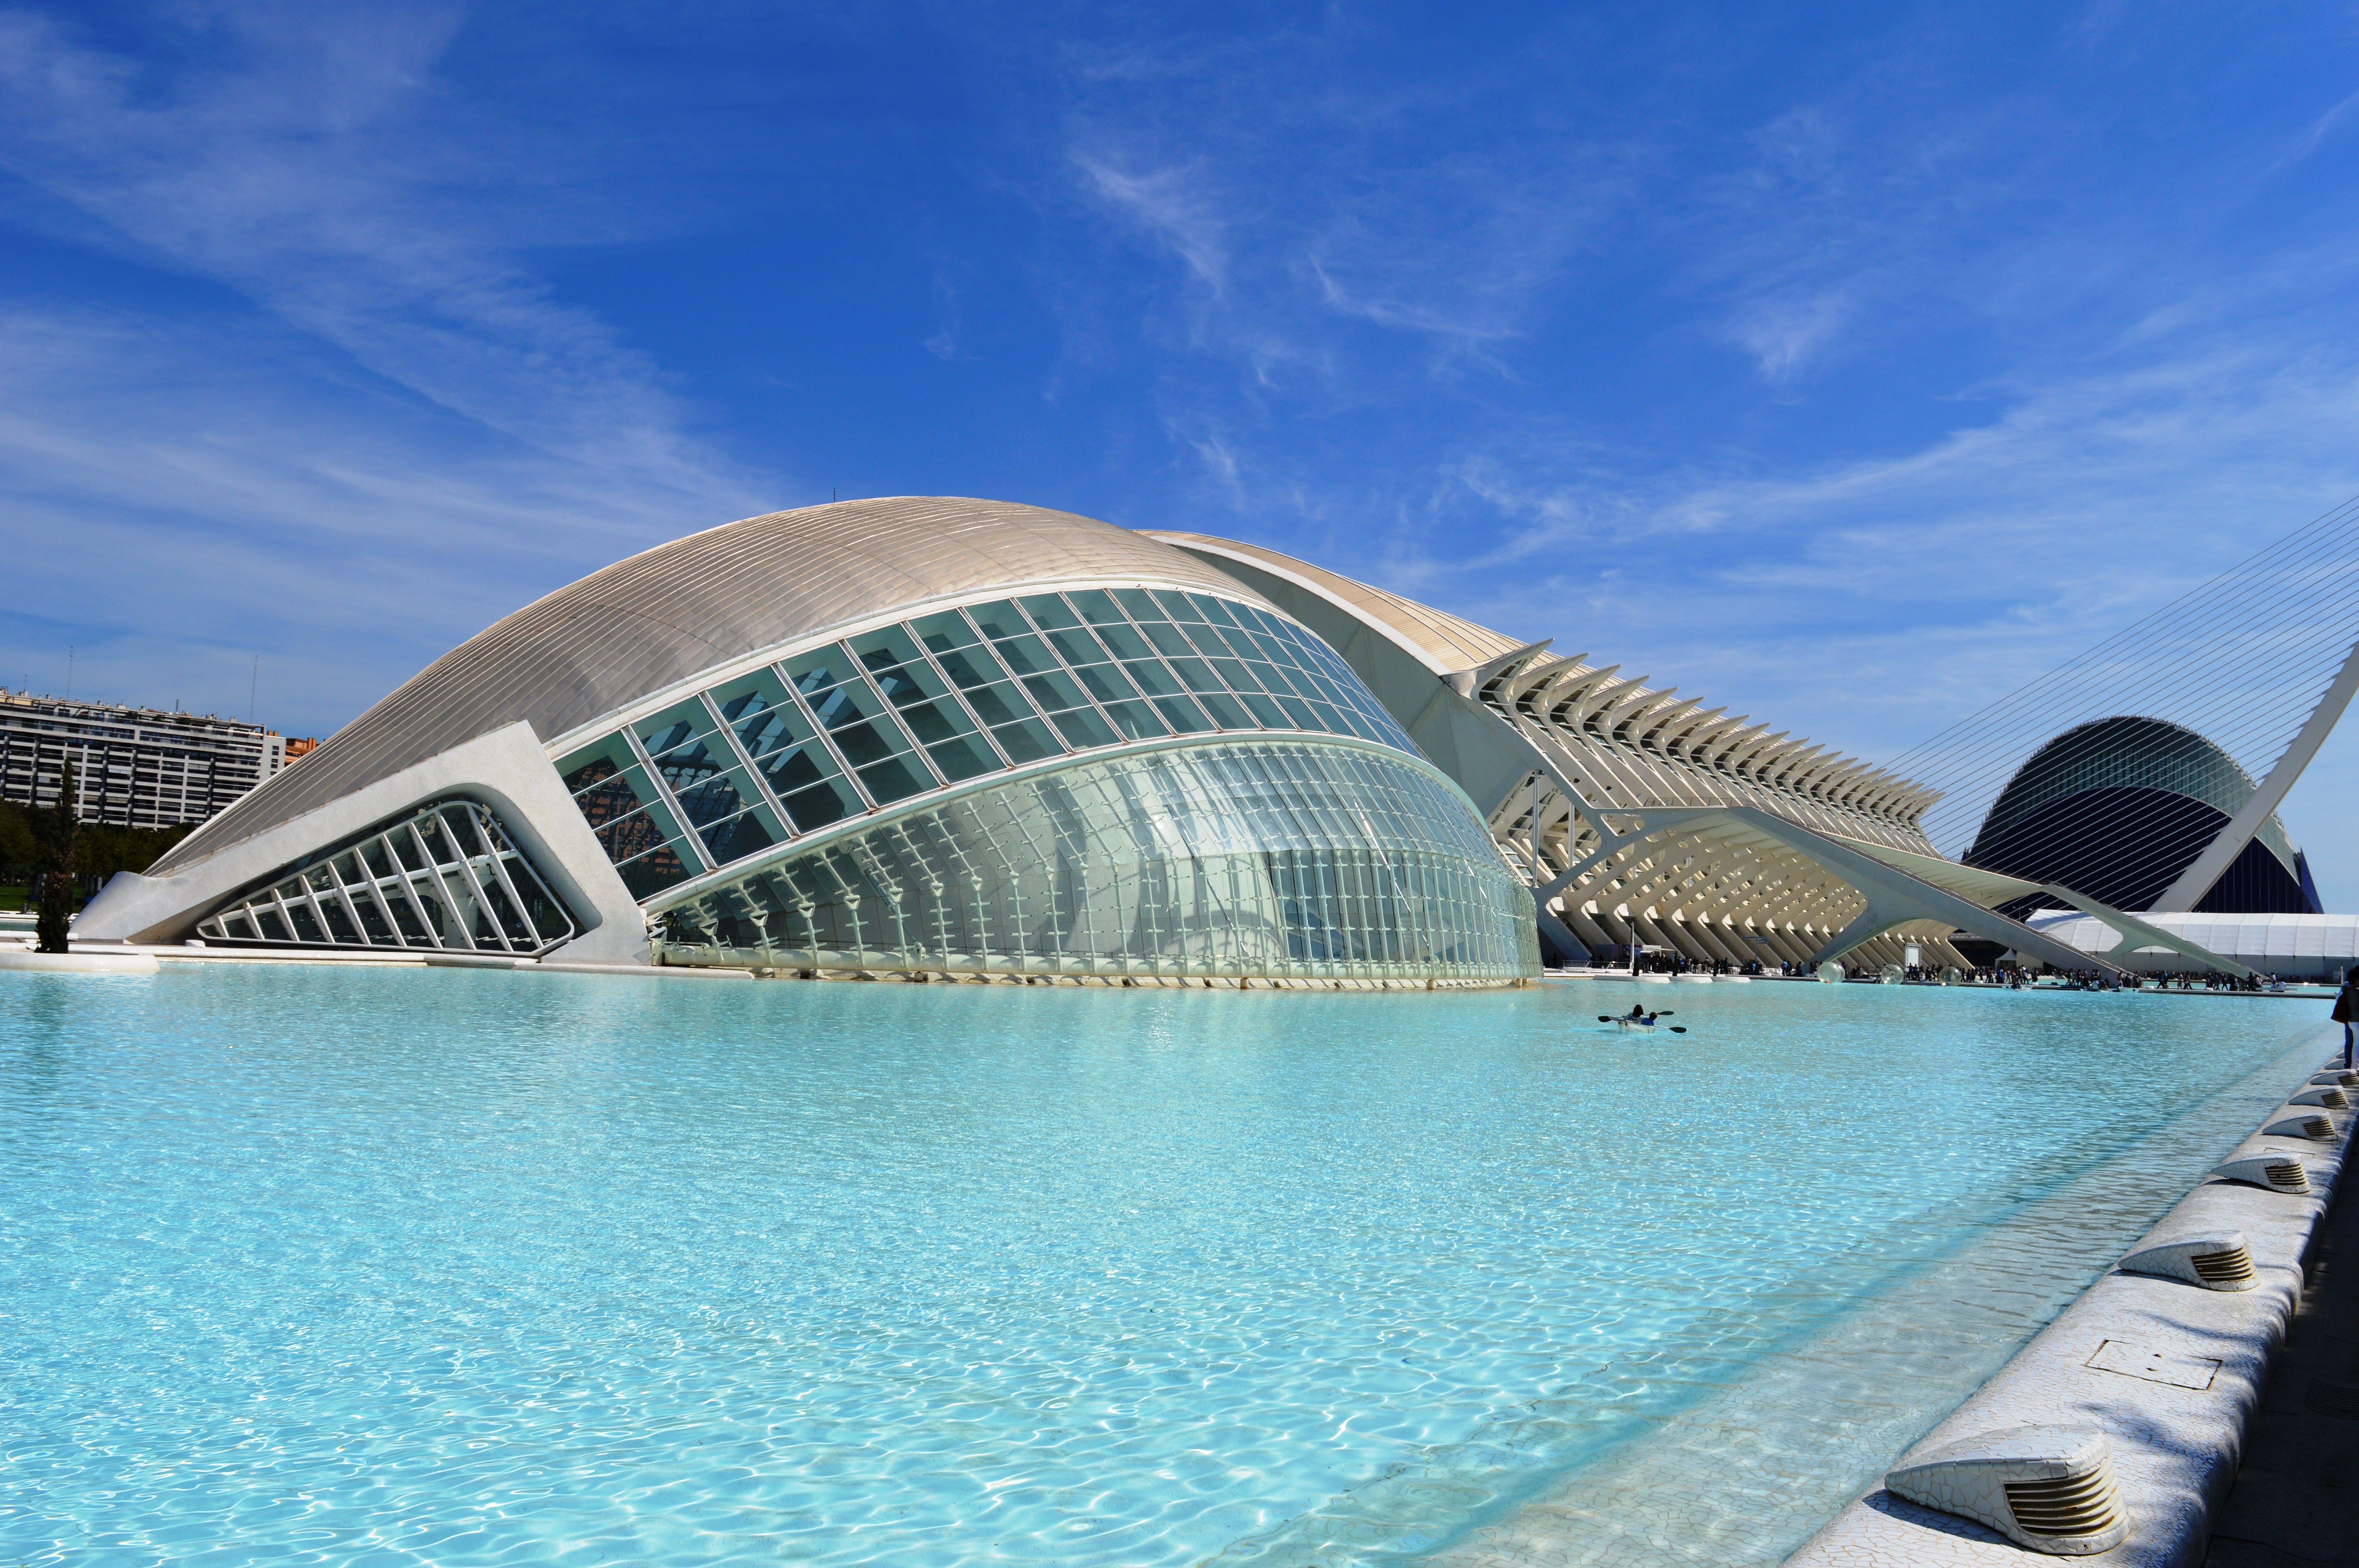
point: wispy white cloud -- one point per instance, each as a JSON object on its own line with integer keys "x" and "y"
{"x": 1173, "y": 204}
{"x": 303, "y": 156}
{"x": 180, "y": 494}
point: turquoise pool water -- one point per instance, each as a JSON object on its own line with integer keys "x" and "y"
{"x": 328, "y": 1265}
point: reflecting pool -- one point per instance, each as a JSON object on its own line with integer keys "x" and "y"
{"x": 323, "y": 1265}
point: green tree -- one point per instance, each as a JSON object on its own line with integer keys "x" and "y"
{"x": 20, "y": 850}
{"x": 58, "y": 876}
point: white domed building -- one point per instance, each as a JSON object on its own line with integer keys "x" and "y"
{"x": 915, "y": 737}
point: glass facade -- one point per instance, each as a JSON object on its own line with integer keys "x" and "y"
{"x": 939, "y": 699}
{"x": 1282, "y": 860}
{"x": 444, "y": 879}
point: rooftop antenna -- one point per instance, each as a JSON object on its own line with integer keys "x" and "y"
{"x": 252, "y": 685}
{"x": 70, "y": 656}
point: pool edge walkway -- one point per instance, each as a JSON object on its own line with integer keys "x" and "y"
{"x": 2176, "y": 1441}
{"x": 2301, "y": 1450}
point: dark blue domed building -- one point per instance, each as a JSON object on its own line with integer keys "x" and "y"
{"x": 2117, "y": 808}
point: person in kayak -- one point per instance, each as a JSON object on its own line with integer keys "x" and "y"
{"x": 1639, "y": 1014}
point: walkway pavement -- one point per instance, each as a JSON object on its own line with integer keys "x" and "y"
{"x": 2300, "y": 1475}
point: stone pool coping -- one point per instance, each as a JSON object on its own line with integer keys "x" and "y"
{"x": 2176, "y": 1448}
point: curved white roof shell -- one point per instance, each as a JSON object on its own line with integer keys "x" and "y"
{"x": 662, "y": 616}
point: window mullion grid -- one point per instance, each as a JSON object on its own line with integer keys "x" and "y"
{"x": 345, "y": 897}
{"x": 819, "y": 730}
{"x": 286, "y": 916}
{"x": 663, "y": 792}
{"x": 437, "y": 888}
{"x": 958, "y": 694}
{"x": 885, "y": 709}
{"x": 1072, "y": 672}
{"x": 376, "y": 889}
{"x": 500, "y": 850}
{"x": 466, "y": 866}
{"x": 745, "y": 761}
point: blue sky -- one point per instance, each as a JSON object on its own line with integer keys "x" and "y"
{"x": 1849, "y": 364}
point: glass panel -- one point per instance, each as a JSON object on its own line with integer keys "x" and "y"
{"x": 1026, "y": 742}
{"x": 893, "y": 780}
{"x": 1026, "y": 655}
{"x": 944, "y": 631}
{"x": 998, "y": 619}
{"x": 1265, "y": 710}
{"x": 629, "y": 837}
{"x": 502, "y": 913}
{"x": 1048, "y": 612}
{"x": 1106, "y": 682}
{"x": 599, "y": 760}
{"x": 711, "y": 799}
{"x": 1197, "y": 676}
{"x": 1208, "y": 641}
{"x": 675, "y": 726}
{"x": 374, "y": 856}
{"x": 1212, "y": 610}
{"x": 868, "y": 742}
{"x": 688, "y": 767}
{"x": 820, "y": 668}
{"x": 1096, "y": 607}
{"x": 405, "y": 918}
{"x": 797, "y": 768}
{"x": 307, "y": 925}
{"x": 1000, "y": 704}
{"x": 757, "y": 708}
{"x": 1140, "y": 604}
{"x": 1152, "y": 678}
{"x": 428, "y": 829}
{"x": 962, "y": 759}
{"x": 1181, "y": 714}
{"x": 846, "y": 705}
{"x": 894, "y": 664}
{"x": 1168, "y": 640}
{"x": 816, "y": 805}
{"x": 461, "y": 824}
{"x": 272, "y": 929}
{"x": 1266, "y": 859}
{"x": 934, "y": 721}
{"x": 973, "y": 667}
{"x": 1137, "y": 720}
{"x": 1299, "y": 711}
{"x": 740, "y": 836}
{"x": 1076, "y": 646}
{"x": 1083, "y": 728}
{"x": 1175, "y": 605}
{"x": 340, "y": 924}
{"x": 651, "y": 873}
{"x": 1224, "y": 711}
{"x": 1240, "y": 678}
{"x": 1125, "y": 642}
{"x": 373, "y": 929}
{"x": 1053, "y": 691}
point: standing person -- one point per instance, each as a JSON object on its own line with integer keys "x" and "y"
{"x": 2346, "y": 1011}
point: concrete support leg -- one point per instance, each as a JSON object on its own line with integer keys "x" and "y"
{"x": 1597, "y": 937}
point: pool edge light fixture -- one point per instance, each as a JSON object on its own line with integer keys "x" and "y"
{"x": 2049, "y": 1489}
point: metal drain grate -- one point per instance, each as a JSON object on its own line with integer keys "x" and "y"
{"x": 2233, "y": 1267}
{"x": 2088, "y": 1504}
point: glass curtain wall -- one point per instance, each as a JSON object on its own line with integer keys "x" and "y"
{"x": 446, "y": 877}
{"x": 864, "y": 723}
{"x": 1276, "y": 859}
